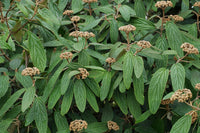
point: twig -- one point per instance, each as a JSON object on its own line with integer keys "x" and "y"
{"x": 3, "y": 53}
{"x": 182, "y": 58}
{"x": 90, "y": 9}
{"x": 137, "y": 51}
{"x": 163, "y": 17}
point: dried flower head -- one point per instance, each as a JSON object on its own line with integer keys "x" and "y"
{"x": 66, "y": 55}
{"x": 77, "y": 125}
{"x": 127, "y": 28}
{"x": 68, "y": 12}
{"x": 112, "y": 125}
{"x": 89, "y": 1}
{"x": 197, "y": 4}
{"x": 29, "y": 71}
{"x": 75, "y": 34}
{"x": 83, "y": 73}
{"x": 181, "y": 95}
{"x": 163, "y": 4}
{"x": 75, "y": 18}
{"x": 110, "y": 60}
{"x": 166, "y": 102}
{"x": 176, "y": 18}
{"x": 144, "y": 44}
{"x": 197, "y": 86}
{"x": 194, "y": 115}
{"x": 86, "y": 34}
{"x": 189, "y": 48}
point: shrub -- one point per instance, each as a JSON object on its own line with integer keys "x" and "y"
{"x": 99, "y": 66}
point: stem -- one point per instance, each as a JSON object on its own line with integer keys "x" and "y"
{"x": 194, "y": 107}
{"x": 138, "y": 51}
{"x": 3, "y": 53}
{"x": 85, "y": 43}
{"x": 26, "y": 59}
{"x": 128, "y": 41}
{"x": 90, "y": 9}
{"x": 33, "y": 81}
{"x": 163, "y": 17}
{"x": 182, "y": 58}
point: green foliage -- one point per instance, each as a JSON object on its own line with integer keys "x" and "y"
{"x": 51, "y": 76}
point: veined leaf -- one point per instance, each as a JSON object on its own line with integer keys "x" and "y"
{"x": 177, "y": 76}
{"x": 120, "y": 99}
{"x": 143, "y": 117}
{"x": 28, "y": 98}
{"x": 113, "y": 31}
{"x": 11, "y": 101}
{"x": 80, "y": 94}
{"x": 93, "y": 85}
{"x": 37, "y": 51}
{"x": 92, "y": 100}
{"x": 4, "y": 84}
{"x": 24, "y": 80}
{"x": 182, "y": 125}
{"x": 61, "y": 122}
{"x": 138, "y": 65}
{"x": 105, "y": 88}
{"x": 55, "y": 95}
{"x": 66, "y": 80}
{"x": 157, "y": 88}
{"x": 97, "y": 127}
{"x": 77, "y": 5}
{"x": 128, "y": 69}
{"x": 4, "y": 124}
{"x": 138, "y": 84}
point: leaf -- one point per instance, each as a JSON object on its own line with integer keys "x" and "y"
{"x": 83, "y": 58}
{"x": 128, "y": 69}
{"x": 66, "y": 80}
{"x": 77, "y": 5}
{"x": 11, "y": 101}
{"x": 28, "y": 98}
{"x": 182, "y": 125}
{"x": 157, "y": 88}
{"x": 24, "y": 80}
{"x": 138, "y": 84}
{"x": 143, "y": 117}
{"x": 95, "y": 67}
{"x": 41, "y": 118}
{"x": 37, "y": 52}
{"x": 67, "y": 100}
{"x": 105, "y": 88}
{"x": 113, "y": 31}
{"x": 120, "y": 99}
{"x": 4, "y": 84}
{"x": 138, "y": 65}
{"x": 133, "y": 105}
{"x": 125, "y": 14}
{"x": 49, "y": 87}
{"x": 177, "y": 76}
{"x": 143, "y": 24}
{"x": 4, "y": 125}
{"x": 55, "y": 96}
{"x": 174, "y": 37}
{"x": 93, "y": 85}
{"x": 62, "y": 4}
{"x": 139, "y": 8}
{"x": 195, "y": 77}
{"x": 122, "y": 87}
{"x": 107, "y": 113}
{"x": 60, "y": 121}
{"x": 97, "y": 127}
{"x": 92, "y": 100}
{"x": 80, "y": 94}
{"x": 169, "y": 52}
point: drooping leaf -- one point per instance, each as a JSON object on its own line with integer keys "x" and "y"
{"x": 177, "y": 73}
{"x": 28, "y": 98}
{"x": 4, "y": 84}
{"x": 139, "y": 8}
{"x": 37, "y": 51}
{"x": 92, "y": 100}
{"x": 174, "y": 37}
{"x": 157, "y": 88}
{"x": 138, "y": 65}
{"x": 41, "y": 118}
{"x": 120, "y": 99}
{"x": 11, "y": 101}
{"x": 93, "y": 85}
{"x": 61, "y": 122}
{"x": 107, "y": 113}
{"x": 113, "y": 31}
{"x": 97, "y": 127}
{"x": 138, "y": 84}
{"x": 128, "y": 69}
{"x": 24, "y": 80}
{"x": 80, "y": 94}
{"x": 182, "y": 125}
{"x": 4, "y": 124}
{"x": 105, "y": 85}
{"x": 143, "y": 117}
{"x": 77, "y": 5}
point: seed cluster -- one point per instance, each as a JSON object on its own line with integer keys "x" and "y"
{"x": 194, "y": 115}
{"x": 197, "y": 86}
{"x": 112, "y": 125}
{"x": 181, "y": 95}
{"x": 89, "y": 1}
{"x": 144, "y": 44}
{"x": 166, "y": 102}
{"x": 85, "y": 34}
{"x": 127, "y": 28}
{"x": 83, "y": 73}
{"x": 68, "y": 12}
{"x": 29, "y": 71}
{"x": 110, "y": 60}
{"x": 77, "y": 125}
{"x": 66, "y": 55}
{"x": 189, "y": 48}
{"x": 163, "y": 4}
{"x": 197, "y": 4}
{"x": 75, "y": 18}
{"x": 176, "y": 18}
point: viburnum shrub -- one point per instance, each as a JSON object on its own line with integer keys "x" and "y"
{"x": 99, "y": 66}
